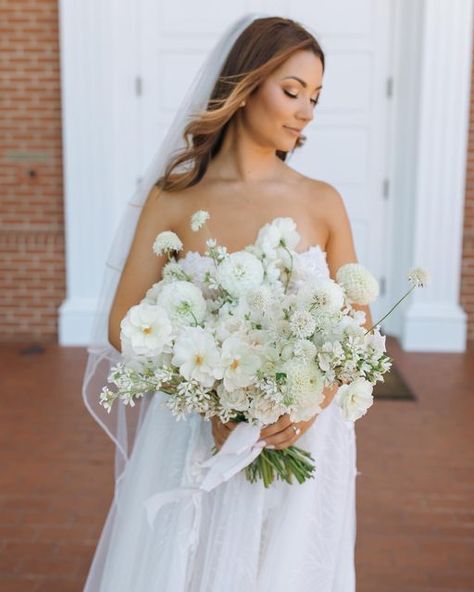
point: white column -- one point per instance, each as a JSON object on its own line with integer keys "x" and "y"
{"x": 434, "y": 320}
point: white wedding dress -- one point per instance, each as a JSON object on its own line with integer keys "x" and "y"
{"x": 238, "y": 536}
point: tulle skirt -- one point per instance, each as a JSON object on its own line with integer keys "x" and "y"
{"x": 238, "y": 536}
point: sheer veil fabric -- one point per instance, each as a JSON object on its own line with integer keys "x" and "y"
{"x": 239, "y": 536}
{"x": 123, "y": 423}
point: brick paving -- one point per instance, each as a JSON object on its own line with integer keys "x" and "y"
{"x": 415, "y": 529}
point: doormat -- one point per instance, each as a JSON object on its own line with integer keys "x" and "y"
{"x": 393, "y": 387}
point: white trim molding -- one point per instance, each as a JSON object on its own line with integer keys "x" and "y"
{"x": 434, "y": 319}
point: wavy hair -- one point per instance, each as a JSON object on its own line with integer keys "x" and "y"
{"x": 261, "y": 48}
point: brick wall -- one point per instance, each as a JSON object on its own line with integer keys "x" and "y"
{"x": 32, "y": 272}
{"x": 467, "y": 273}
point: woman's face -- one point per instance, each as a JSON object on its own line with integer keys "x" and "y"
{"x": 286, "y": 99}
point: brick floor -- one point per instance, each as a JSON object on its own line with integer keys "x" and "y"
{"x": 415, "y": 529}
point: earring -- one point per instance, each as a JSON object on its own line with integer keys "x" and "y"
{"x": 242, "y": 104}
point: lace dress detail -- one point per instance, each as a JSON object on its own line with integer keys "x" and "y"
{"x": 239, "y": 536}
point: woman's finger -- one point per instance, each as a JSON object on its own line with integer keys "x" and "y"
{"x": 285, "y": 436}
{"x": 279, "y": 426}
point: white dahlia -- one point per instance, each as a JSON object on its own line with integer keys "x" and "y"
{"x": 321, "y": 295}
{"x": 302, "y": 324}
{"x": 358, "y": 283}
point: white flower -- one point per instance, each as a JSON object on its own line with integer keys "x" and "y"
{"x": 264, "y": 410}
{"x": 166, "y": 242}
{"x": 321, "y": 295}
{"x": 145, "y": 330}
{"x": 358, "y": 283}
{"x": 354, "y": 399}
{"x": 305, "y": 385}
{"x": 240, "y": 272}
{"x": 304, "y": 349}
{"x": 183, "y": 301}
{"x": 259, "y": 299}
{"x": 236, "y": 400}
{"x": 152, "y": 293}
{"x": 419, "y": 277}
{"x": 279, "y": 234}
{"x": 173, "y": 271}
{"x": 198, "y": 268}
{"x": 302, "y": 324}
{"x": 197, "y": 356}
{"x": 198, "y": 219}
{"x": 240, "y": 362}
{"x": 308, "y": 266}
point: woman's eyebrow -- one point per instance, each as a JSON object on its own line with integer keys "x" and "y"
{"x": 301, "y": 81}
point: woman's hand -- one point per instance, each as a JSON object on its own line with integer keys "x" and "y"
{"x": 221, "y": 431}
{"x": 281, "y": 434}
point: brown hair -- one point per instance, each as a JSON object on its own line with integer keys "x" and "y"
{"x": 263, "y": 46}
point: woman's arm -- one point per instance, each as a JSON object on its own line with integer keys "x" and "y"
{"x": 142, "y": 267}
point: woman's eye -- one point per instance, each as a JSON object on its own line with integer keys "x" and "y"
{"x": 314, "y": 101}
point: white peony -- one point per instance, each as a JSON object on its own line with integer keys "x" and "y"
{"x": 197, "y": 356}
{"x": 145, "y": 330}
{"x": 240, "y": 272}
{"x": 240, "y": 362}
{"x": 198, "y": 219}
{"x": 277, "y": 235}
{"x": 354, "y": 399}
{"x": 358, "y": 283}
{"x": 166, "y": 242}
{"x": 321, "y": 295}
{"x": 183, "y": 301}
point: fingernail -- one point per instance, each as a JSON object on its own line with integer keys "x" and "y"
{"x": 270, "y": 446}
{"x": 261, "y": 443}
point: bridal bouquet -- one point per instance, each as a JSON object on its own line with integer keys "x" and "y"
{"x": 249, "y": 336}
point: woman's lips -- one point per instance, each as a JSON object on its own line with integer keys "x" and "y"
{"x": 292, "y": 130}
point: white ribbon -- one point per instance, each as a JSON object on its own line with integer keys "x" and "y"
{"x": 238, "y": 451}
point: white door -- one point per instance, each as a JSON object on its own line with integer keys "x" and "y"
{"x": 347, "y": 140}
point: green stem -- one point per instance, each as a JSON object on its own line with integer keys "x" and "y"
{"x": 391, "y": 310}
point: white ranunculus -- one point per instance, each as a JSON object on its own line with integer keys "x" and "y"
{"x": 183, "y": 301}
{"x": 236, "y": 400}
{"x": 145, "y": 330}
{"x": 240, "y": 272}
{"x": 240, "y": 362}
{"x": 358, "y": 283}
{"x": 151, "y": 296}
{"x": 276, "y": 235}
{"x": 354, "y": 399}
{"x": 264, "y": 410}
{"x": 166, "y": 242}
{"x": 197, "y": 356}
{"x": 321, "y": 295}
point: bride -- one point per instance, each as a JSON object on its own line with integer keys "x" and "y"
{"x": 246, "y": 110}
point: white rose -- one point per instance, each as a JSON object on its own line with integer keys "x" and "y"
{"x": 354, "y": 399}
{"x": 236, "y": 400}
{"x": 264, "y": 410}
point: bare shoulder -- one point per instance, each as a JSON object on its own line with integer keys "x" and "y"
{"x": 324, "y": 195}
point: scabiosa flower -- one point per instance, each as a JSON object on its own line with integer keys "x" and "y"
{"x": 358, "y": 283}
{"x": 198, "y": 219}
{"x": 302, "y": 324}
{"x": 166, "y": 242}
{"x": 419, "y": 277}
